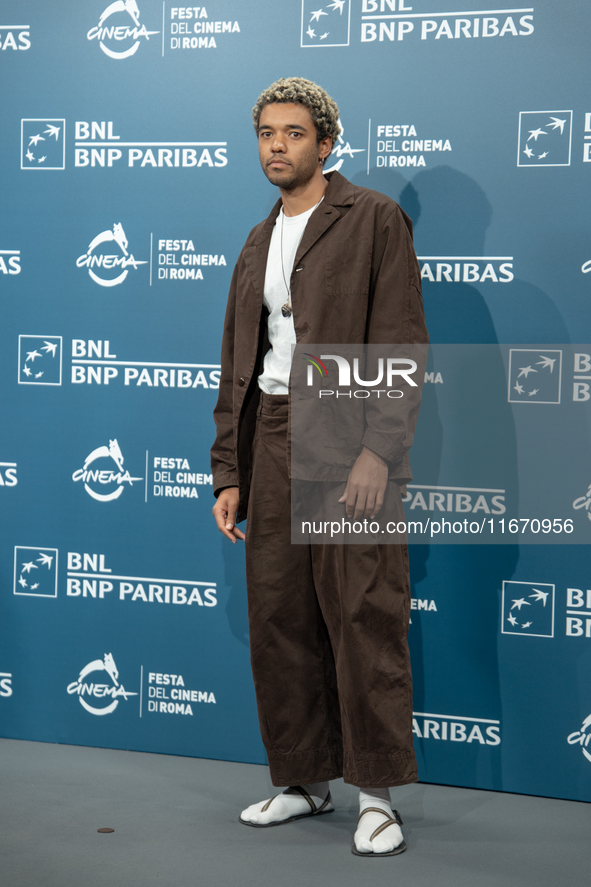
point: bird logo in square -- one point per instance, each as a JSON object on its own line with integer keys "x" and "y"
{"x": 43, "y": 143}
{"x": 329, "y": 25}
{"x": 544, "y": 138}
{"x": 40, "y": 360}
{"x": 35, "y": 571}
{"x": 534, "y": 376}
{"x": 528, "y": 608}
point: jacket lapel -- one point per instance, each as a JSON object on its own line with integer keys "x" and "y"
{"x": 320, "y": 221}
{"x": 338, "y": 193}
{"x": 255, "y": 256}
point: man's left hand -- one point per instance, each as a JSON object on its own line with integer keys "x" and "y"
{"x": 366, "y": 484}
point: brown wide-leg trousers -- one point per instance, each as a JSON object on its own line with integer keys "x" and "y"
{"x": 328, "y": 638}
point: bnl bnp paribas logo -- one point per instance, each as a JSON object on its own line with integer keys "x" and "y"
{"x": 39, "y": 360}
{"x": 327, "y": 25}
{"x": 104, "y": 475}
{"x": 544, "y": 138}
{"x": 35, "y": 571}
{"x": 527, "y": 608}
{"x": 97, "y": 146}
{"x": 43, "y": 143}
{"x": 99, "y": 683}
{"x": 119, "y": 30}
{"x": 109, "y": 265}
{"x": 534, "y": 376}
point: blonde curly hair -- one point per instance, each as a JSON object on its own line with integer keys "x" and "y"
{"x": 323, "y": 110}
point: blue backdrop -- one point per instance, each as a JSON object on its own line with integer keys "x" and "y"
{"x": 129, "y": 180}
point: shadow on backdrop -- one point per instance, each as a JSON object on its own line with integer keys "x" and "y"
{"x": 454, "y": 651}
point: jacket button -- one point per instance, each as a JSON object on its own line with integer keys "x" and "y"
{"x": 241, "y": 381}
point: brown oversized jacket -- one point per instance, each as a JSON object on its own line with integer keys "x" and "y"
{"x": 355, "y": 280}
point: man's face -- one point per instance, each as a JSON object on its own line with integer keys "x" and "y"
{"x": 288, "y": 148}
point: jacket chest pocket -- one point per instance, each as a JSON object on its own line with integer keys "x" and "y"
{"x": 348, "y": 267}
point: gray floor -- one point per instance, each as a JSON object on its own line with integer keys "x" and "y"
{"x": 175, "y": 826}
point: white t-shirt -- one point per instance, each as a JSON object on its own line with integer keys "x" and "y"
{"x": 275, "y": 376}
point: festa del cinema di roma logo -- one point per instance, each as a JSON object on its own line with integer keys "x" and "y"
{"x": 112, "y": 689}
{"x": 119, "y": 30}
{"x": 582, "y": 737}
{"x": 108, "y": 265}
{"x": 98, "y": 478}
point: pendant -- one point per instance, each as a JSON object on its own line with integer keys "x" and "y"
{"x": 286, "y": 310}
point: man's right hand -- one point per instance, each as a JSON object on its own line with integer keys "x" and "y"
{"x": 224, "y": 512}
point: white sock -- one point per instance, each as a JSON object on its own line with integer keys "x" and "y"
{"x": 388, "y": 839}
{"x": 287, "y": 804}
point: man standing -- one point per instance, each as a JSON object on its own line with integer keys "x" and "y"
{"x": 333, "y": 263}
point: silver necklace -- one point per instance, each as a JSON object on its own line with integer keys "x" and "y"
{"x": 286, "y": 308}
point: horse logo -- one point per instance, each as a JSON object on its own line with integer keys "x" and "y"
{"x": 106, "y": 664}
{"x": 114, "y": 34}
{"x": 113, "y": 452}
{"x": 113, "y": 690}
{"x": 99, "y": 260}
{"x": 341, "y": 148}
{"x": 129, "y": 6}
{"x": 96, "y": 478}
